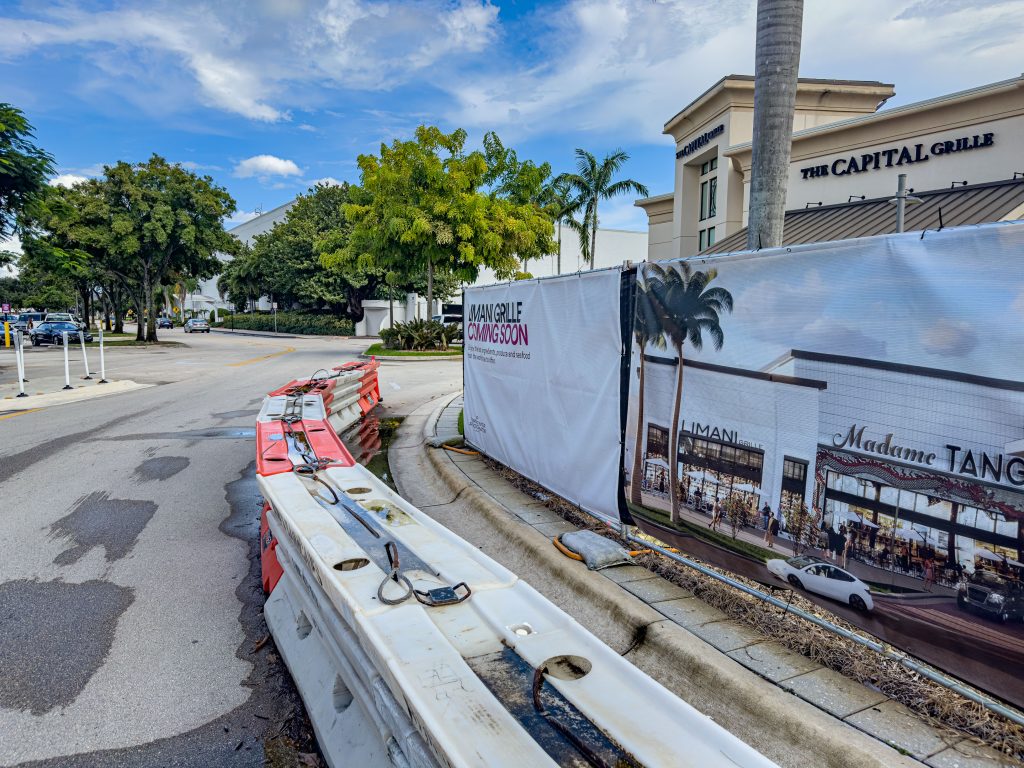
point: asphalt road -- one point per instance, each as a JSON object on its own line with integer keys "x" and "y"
{"x": 130, "y": 607}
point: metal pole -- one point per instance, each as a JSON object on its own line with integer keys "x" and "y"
{"x": 67, "y": 370}
{"x": 901, "y": 201}
{"x": 19, "y": 355}
{"x": 103, "y": 365}
{"x": 933, "y": 675}
{"x": 85, "y": 359}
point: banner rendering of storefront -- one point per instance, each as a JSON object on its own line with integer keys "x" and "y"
{"x": 859, "y": 403}
{"x": 856, "y": 404}
{"x": 542, "y": 363}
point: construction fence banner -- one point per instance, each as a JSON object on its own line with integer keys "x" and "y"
{"x": 858, "y": 403}
{"x": 542, "y": 368}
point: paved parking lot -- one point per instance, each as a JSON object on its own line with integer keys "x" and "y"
{"x": 128, "y": 590}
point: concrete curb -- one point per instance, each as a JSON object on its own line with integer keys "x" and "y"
{"x": 409, "y": 358}
{"x": 682, "y": 662}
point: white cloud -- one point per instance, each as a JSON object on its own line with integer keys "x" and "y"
{"x": 67, "y": 180}
{"x": 240, "y": 217}
{"x": 307, "y": 127}
{"x": 256, "y": 59}
{"x": 329, "y": 181}
{"x": 264, "y": 166}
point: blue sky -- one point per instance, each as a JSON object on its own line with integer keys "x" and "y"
{"x": 268, "y": 96}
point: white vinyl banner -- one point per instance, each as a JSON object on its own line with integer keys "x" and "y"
{"x": 542, "y": 371}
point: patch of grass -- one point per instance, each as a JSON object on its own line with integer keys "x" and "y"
{"x": 380, "y": 349}
{"x": 719, "y": 539}
{"x": 462, "y": 425}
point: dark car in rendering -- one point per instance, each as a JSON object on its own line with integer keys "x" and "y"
{"x": 195, "y": 325}
{"x": 53, "y": 333}
{"x": 164, "y": 322}
{"x": 992, "y": 595}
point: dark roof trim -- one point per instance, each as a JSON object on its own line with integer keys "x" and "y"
{"x": 916, "y": 370}
{"x": 775, "y": 377}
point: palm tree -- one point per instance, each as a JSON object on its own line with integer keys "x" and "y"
{"x": 687, "y": 309}
{"x": 593, "y": 182}
{"x": 557, "y": 200}
{"x": 647, "y": 331}
{"x": 776, "y": 66}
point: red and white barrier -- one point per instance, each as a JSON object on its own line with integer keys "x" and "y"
{"x": 410, "y": 647}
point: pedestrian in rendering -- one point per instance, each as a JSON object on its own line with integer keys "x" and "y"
{"x": 696, "y": 499}
{"x": 847, "y": 542}
{"x": 765, "y": 514}
{"x": 929, "y": 574}
{"x": 772, "y": 532}
{"x": 716, "y": 515}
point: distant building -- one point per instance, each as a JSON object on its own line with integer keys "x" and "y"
{"x": 614, "y": 246}
{"x": 961, "y": 153}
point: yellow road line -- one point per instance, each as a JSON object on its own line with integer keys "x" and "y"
{"x": 19, "y": 413}
{"x": 263, "y": 357}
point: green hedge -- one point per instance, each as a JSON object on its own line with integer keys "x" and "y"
{"x": 292, "y": 322}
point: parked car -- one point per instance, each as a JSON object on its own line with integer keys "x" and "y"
{"x": 992, "y": 595}
{"x": 195, "y": 325}
{"x": 61, "y": 317}
{"x": 25, "y": 318}
{"x": 816, "y": 575}
{"x": 164, "y": 322}
{"x": 53, "y": 333}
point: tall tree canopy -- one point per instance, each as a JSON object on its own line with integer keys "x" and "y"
{"x": 24, "y": 167}
{"x": 164, "y": 219}
{"x": 422, "y": 207}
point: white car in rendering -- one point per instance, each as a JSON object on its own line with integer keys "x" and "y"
{"x": 823, "y": 578}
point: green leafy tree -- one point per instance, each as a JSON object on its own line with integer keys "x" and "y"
{"x": 422, "y": 207}
{"x": 24, "y": 168}
{"x": 592, "y": 183}
{"x": 165, "y": 219}
{"x": 687, "y": 309}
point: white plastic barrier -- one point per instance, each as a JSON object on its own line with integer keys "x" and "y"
{"x": 451, "y": 685}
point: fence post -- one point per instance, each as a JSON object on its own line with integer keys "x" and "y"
{"x": 19, "y": 356}
{"x": 103, "y": 365}
{"x": 85, "y": 359}
{"x": 67, "y": 370}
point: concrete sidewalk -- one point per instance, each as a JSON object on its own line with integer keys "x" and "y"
{"x": 787, "y": 706}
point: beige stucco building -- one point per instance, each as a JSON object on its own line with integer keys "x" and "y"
{"x": 846, "y": 150}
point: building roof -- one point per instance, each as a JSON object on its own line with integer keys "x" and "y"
{"x": 973, "y": 204}
{"x": 747, "y": 81}
{"x": 894, "y": 113}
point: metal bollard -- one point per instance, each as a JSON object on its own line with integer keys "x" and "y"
{"x": 85, "y": 359}
{"x": 67, "y": 370}
{"x": 19, "y": 355}
{"x": 103, "y": 365}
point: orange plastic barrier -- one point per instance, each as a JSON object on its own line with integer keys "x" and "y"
{"x": 270, "y": 568}
{"x": 321, "y": 441}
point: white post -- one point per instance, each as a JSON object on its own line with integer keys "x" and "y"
{"x": 85, "y": 359}
{"x": 19, "y": 353}
{"x": 67, "y": 370}
{"x": 103, "y": 365}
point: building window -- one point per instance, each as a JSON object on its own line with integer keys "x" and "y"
{"x": 706, "y": 238}
{"x": 709, "y": 198}
{"x": 657, "y": 442}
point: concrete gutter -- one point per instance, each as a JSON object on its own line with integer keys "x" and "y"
{"x": 784, "y": 727}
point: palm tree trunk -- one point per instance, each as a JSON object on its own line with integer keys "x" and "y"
{"x": 673, "y": 440}
{"x": 593, "y": 238}
{"x": 636, "y": 476}
{"x": 559, "y": 267}
{"x": 776, "y": 68}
